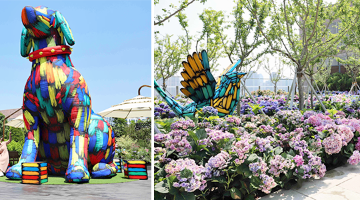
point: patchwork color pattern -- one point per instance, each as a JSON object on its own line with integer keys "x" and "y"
{"x": 57, "y": 106}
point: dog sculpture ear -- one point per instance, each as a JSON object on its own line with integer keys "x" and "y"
{"x": 25, "y": 43}
{"x": 61, "y": 22}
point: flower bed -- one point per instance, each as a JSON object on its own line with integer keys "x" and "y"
{"x": 249, "y": 156}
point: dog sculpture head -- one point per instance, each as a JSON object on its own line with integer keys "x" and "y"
{"x": 40, "y": 23}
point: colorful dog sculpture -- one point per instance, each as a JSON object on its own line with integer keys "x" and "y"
{"x": 62, "y": 129}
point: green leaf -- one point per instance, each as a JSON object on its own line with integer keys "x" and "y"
{"x": 158, "y": 196}
{"x": 186, "y": 173}
{"x": 278, "y": 150}
{"x": 252, "y": 158}
{"x": 219, "y": 179}
{"x": 193, "y": 136}
{"x": 161, "y": 187}
{"x": 184, "y": 196}
{"x": 235, "y": 193}
{"x": 250, "y": 197}
{"x": 245, "y": 186}
{"x": 243, "y": 169}
{"x": 172, "y": 189}
{"x": 350, "y": 148}
{"x": 201, "y": 134}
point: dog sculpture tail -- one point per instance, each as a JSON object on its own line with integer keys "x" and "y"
{"x": 181, "y": 111}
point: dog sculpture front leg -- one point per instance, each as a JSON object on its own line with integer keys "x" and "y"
{"x": 29, "y": 152}
{"x": 77, "y": 169}
{"x": 77, "y": 107}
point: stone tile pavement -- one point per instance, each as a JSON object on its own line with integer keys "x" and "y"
{"x": 338, "y": 184}
{"x": 139, "y": 190}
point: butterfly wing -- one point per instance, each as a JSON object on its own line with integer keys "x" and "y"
{"x": 199, "y": 83}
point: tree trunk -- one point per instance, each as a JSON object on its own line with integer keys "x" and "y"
{"x": 300, "y": 88}
{"x": 312, "y": 98}
{"x": 275, "y": 88}
{"x": 164, "y": 84}
{"x": 238, "y": 106}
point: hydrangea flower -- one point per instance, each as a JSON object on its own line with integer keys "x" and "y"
{"x": 280, "y": 165}
{"x": 258, "y": 167}
{"x": 182, "y": 124}
{"x": 160, "y": 137}
{"x": 268, "y": 183}
{"x": 345, "y": 133}
{"x": 217, "y": 135}
{"x": 241, "y": 148}
{"x": 177, "y": 141}
{"x": 216, "y": 163}
{"x": 355, "y": 158}
{"x": 209, "y": 111}
{"x": 332, "y": 144}
{"x": 195, "y": 182}
{"x": 298, "y": 160}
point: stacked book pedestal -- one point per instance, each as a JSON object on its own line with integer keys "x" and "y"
{"x": 34, "y": 173}
{"x": 135, "y": 169}
{"x": 118, "y": 164}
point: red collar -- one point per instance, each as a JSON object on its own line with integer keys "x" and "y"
{"x": 49, "y": 51}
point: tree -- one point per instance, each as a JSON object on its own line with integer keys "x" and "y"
{"x": 6, "y": 134}
{"x": 299, "y": 30}
{"x": 316, "y": 67}
{"x": 210, "y": 38}
{"x": 247, "y": 37}
{"x": 323, "y": 73}
{"x": 119, "y": 125}
{"x": 351, "y": 64}
{"x": 168, "y": 57}
{"x": 168, "y": 13}
{"x": 276, "y": 76}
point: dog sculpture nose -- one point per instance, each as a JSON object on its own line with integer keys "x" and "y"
{"x": 28, "y": 15}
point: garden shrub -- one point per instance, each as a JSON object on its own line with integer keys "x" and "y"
{"x": 246, "y": 157}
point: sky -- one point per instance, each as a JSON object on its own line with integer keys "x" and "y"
{"x": 112, "y": 48}
{"x": 172, "y": 26}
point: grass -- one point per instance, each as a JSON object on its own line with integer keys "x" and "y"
{"x": 58, "y": 180}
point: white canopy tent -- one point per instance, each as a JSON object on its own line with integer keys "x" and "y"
{"x": 138, "y": 106}
{"x": 18, "y": 122}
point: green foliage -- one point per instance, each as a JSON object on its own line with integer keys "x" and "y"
{"x": 168, "y": 56}
{"x": 129, "y": 149}
{"x": 119, "y": 126}
{"x": 313, "y": 19}
{"x": 255, "y": 108}
{"x": 172, "y": 9}
{"x": 132, "y": 143}
{"x": 339, "y": 82}
{"x": 2, "y": 117}
{"x": 15, "y": 146}
{"x": 210, "y": 38}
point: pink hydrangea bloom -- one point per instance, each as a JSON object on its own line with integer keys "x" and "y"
{"x": 332, "y": 144}
{"x": 298, "y": 160}
{"x": 355, "y": 158}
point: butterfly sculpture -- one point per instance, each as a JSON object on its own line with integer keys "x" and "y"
{"x": 200, "y": 85}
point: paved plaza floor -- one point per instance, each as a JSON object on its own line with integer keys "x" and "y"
{"x": 139, "y": 190}
{"x": 338, "y": 184}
